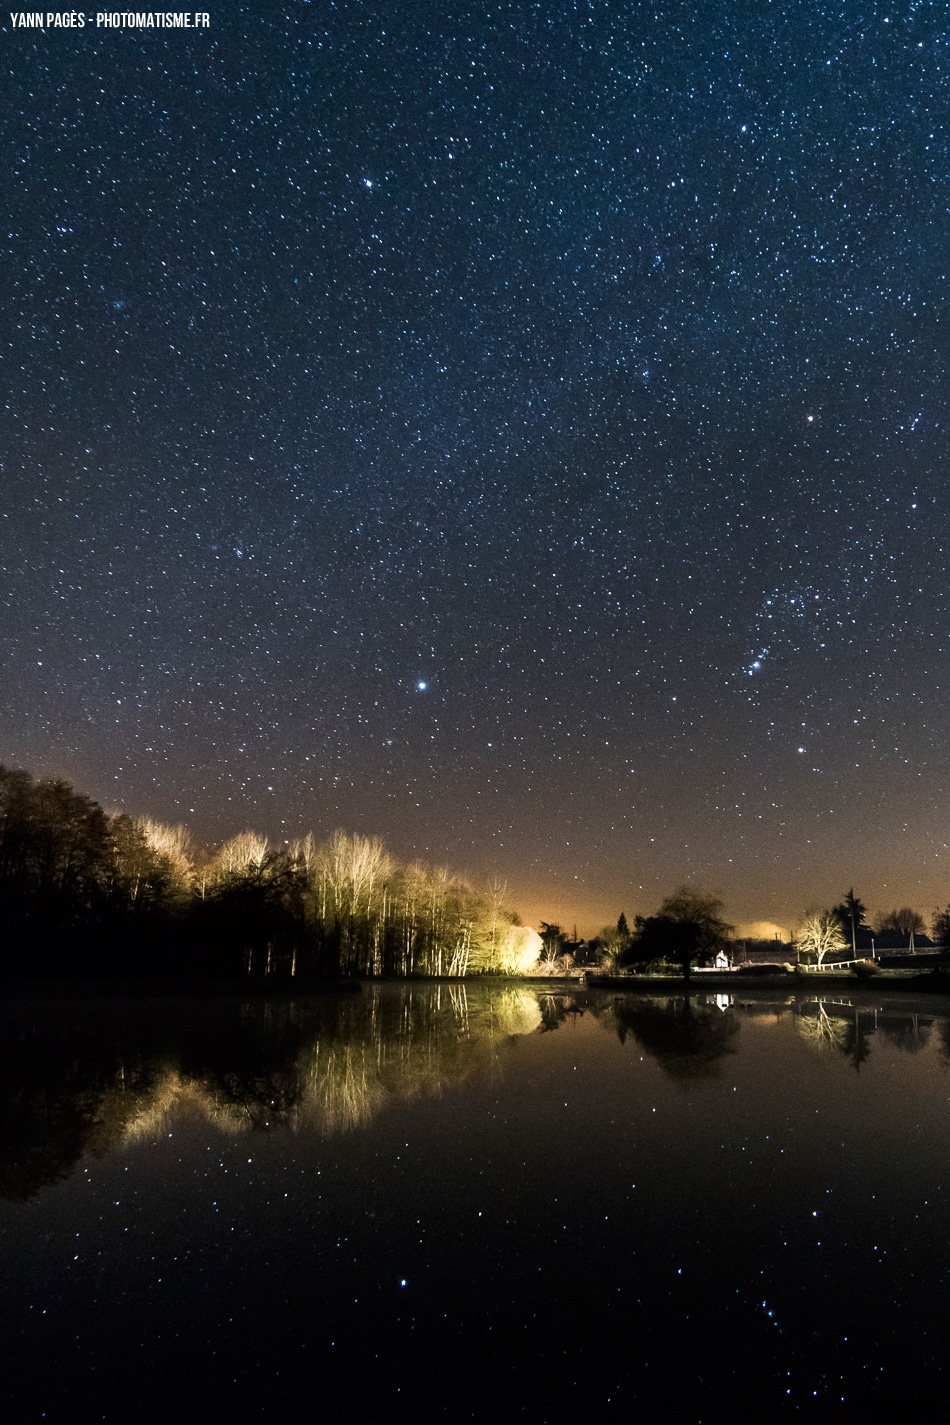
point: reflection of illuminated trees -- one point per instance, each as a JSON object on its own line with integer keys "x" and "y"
{"x": 836, "y": 1032}
{"x": 822, "y": 1030}
{"x": 78, "y": 1086}
{"x": 556, "y": 1009}
{"x": 68, "y": 1091}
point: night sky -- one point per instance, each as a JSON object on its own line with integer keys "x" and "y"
{"x": 514, "y": 430}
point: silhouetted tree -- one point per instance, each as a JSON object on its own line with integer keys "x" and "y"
{"x": 56, "y": 863}
{"x": 940, "y": 927}
{"x": 687, "y": 930}
{"x": 851, "y": 913}
{"x": 246, "y": 912}
{"x": 904, "y": 921}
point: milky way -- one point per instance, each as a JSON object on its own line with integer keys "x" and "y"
{"x": 517, "y": 431}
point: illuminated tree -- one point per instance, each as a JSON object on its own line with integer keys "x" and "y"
{"x": 70, "y": 873}
{"x": 243, "y": 853}
{"x": 245, "y": 918}
{"x": 820, "y": 935}
{"x": 495, "y": 925}
{"x": 172, "y": 842}
{"x": 520, "y": 950}
{"x": 614, "y": 942}
{"x": 350, "y": 882}
{"x": 552, "y": 941}
{"x": 140, "y": 880}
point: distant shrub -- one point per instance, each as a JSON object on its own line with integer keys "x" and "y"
{"x": 865, "y": 969}
{"x": 755, "y": 968}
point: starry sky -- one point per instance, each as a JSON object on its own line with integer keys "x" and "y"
{"x": 514, "y": 430}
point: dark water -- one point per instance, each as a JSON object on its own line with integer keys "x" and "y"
{"x": 474, "y": 1202}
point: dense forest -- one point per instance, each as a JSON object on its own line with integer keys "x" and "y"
{"x": 83, "y": 892}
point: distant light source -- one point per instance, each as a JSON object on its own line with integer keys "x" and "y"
{"x": 422, "y": 686}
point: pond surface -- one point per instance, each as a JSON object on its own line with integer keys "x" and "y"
{"x": 456, "y": 1200}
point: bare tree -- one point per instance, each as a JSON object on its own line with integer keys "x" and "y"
{"x": 242, "y": 853}
{"x": 172, "y": 844}
{"x": 495, "y": 923}
{"x": 904, "y": 920}
{"x": 820, "y": 935}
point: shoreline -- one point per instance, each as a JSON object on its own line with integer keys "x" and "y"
{"x": 183, "y": 988}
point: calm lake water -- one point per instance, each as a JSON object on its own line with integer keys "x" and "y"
{"x": 459, "y": 1201}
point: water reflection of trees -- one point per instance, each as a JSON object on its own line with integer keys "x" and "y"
{"x": 83, "y": 1081}
{"x": 910, "y": 1034}
{"x": 838, "y": 1028}
{"x": 558, "y": 1009}
{"x": 821, "y": 1029}
{"x": 80, "y": 1080}
{"x": 841, "y": 1027}
{"x": 687, "y": 1039}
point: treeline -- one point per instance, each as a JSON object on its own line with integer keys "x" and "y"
{"x": 82, "y": 892}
